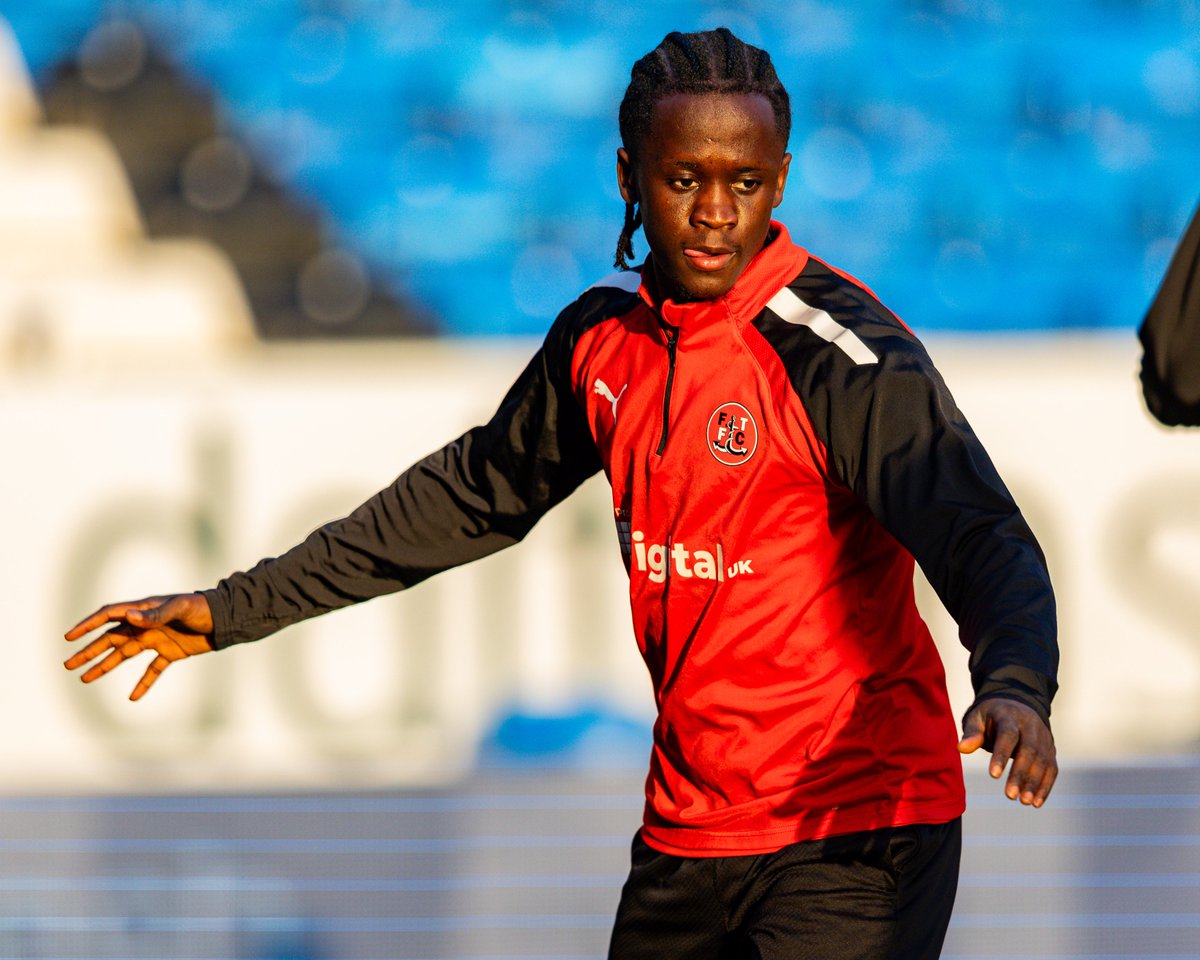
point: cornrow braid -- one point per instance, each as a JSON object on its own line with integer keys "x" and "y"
{"x": 710, "y": 61}
{"x": 633, "y": 220}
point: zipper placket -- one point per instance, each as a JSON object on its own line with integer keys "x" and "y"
{"x": 672, "y": 335}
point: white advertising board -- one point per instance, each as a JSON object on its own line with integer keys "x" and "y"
{"x": 160, "y": 475}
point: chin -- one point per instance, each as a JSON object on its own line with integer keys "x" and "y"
{"x": 701, "y": 286}
{"x": 708, "y": 289}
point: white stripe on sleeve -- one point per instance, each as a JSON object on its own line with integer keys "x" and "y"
{"x": 792, "y": 309}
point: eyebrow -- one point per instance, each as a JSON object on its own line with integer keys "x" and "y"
{"x": 691, "y": 164}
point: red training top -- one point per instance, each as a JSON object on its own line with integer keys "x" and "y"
{"x": 777, "y": 456}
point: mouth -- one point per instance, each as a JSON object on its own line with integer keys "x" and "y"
{"x": 708, "y": 259}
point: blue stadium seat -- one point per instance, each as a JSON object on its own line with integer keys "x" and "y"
{"x": 1052, "y": 137}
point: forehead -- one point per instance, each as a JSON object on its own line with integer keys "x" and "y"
{"x": 697, "y": 123}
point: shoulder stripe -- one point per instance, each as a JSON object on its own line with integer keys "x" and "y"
{"x": 627, "y": 280}
{"x": 790, "y": 308}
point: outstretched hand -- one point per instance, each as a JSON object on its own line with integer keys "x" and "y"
{"x": 1012, "y": 730}
{"x": 174, "y": 627}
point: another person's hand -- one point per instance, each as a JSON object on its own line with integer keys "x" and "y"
{"x": 174, "y": 627}
{"x": 1012, "y": 730}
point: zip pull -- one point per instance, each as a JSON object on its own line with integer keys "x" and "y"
{"x": 672, "y": 335}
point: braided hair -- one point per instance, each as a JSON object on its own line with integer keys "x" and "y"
{"x": 711, "y": 61}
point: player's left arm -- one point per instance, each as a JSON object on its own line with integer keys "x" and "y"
{"x": 1013, "y": 731}
{"x": 921, "y": 469}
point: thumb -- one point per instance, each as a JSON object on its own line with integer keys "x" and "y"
{"x": 974, "y": 732}
{"x": 144, "y": 618}
{"x": 151, "y": 616}
{"x": 189, "y": 611}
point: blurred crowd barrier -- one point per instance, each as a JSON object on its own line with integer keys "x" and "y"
{"x": 162, "y": 471}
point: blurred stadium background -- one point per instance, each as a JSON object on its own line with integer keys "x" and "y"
{"x": 255, "y": 258}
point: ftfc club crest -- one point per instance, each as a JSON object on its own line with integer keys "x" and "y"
{"x": 732, "y": 434}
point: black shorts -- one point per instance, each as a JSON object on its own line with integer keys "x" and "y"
{"x": 875, "y": 895}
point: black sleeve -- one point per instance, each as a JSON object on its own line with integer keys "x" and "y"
{"x": 1170, "y": 336}
{"x": 895, "y": 437}
{"x": 479, "y": 494}
{"x": 903, "y": 446}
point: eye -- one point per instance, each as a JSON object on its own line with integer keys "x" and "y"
{"x": 746, "y": 185}
{"x": 683, "y": 183}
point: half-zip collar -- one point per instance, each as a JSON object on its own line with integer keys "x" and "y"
{"x": 774, "y": 266}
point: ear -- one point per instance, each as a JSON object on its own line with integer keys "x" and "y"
{"x": 625, "y": 181}
{"x": 782, "y": 181}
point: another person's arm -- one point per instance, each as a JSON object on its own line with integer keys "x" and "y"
{"x": 1170, "y": 336}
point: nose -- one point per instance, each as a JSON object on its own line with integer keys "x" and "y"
{"x": 714, "y": 207}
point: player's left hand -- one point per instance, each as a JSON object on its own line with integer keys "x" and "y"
{"x": 1012, "y": 730}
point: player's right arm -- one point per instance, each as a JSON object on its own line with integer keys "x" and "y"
{"x": 476, "y": 495}
{"x": 473, "y": 497}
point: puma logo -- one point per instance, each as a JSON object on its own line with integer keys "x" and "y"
{"x": 601, "y": 388}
